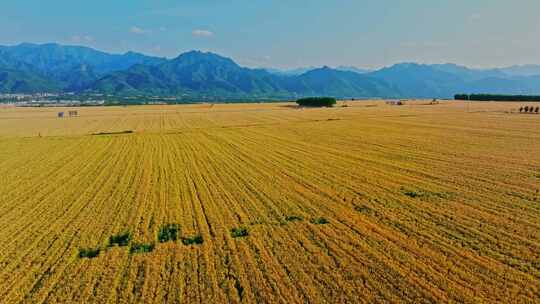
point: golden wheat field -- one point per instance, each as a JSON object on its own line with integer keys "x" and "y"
{"x": 369, "y": 203}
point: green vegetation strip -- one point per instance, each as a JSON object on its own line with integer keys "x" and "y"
{"x": 239, "y": 232}
{"x": 294, "y": 218}
{"x": 320, "y": 221}
{"x": 89, "y": 253}
{"x": 121, "y": 239}
{"x": 194, "y": 240}
{"x": 113, "y": 133}
{"x": 168, "y": 233}
{"x": 141, "y": 248}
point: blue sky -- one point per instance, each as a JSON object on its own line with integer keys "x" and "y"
{"x": 292, "y": 33}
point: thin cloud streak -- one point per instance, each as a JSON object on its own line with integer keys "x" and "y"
{"x": 202, "y": 33}
{"x": 139, "y": 31}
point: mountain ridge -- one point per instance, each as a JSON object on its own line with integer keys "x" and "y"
{"x": 51, "y": 67}
{"x": 211, "y": 74}
{"x": 72, "y": 67}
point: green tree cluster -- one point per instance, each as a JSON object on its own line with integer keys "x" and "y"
{"x": 495, "y": 97}
{"x": 317, "y": 102}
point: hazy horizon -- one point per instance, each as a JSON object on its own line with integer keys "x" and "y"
{"x": 371, "y": 34}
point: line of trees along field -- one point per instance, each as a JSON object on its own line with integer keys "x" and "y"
{"x": 316, "y": 102}
{"x": 494, "y": 97}
{"x": 530, "y": 109}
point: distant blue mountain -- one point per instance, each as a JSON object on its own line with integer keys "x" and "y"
{"x": 208, "y": 74}
{"x": 331, "y": 82}
{"x": 27, "y": 68}
{"x": 192, "y": 73}
{"x": 292, "y": 72}
{"x": 467, "y": 73}
{"x": 20, "y": 81}
{"x": 300, "y": 71}
{"x": 522, "y": 70}
{"x": 73, "y": 67}
{"x": 418, "y": 80}
{"x": 18, "y": 76}
{"x": 446, "y": 80}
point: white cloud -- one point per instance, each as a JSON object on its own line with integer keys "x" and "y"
{"x": 139, "y": 31}
{"x": 202, "y": 33}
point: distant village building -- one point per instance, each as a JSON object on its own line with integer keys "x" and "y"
{"x": 395, "y": 102}
{"x": 60, "y": 114}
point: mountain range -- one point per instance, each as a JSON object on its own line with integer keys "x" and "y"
{"x": 31, "y": 68}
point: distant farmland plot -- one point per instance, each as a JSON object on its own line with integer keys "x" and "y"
{"x": 267, "y": 203}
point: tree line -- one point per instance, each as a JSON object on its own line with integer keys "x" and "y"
{"x": 495, "y": 97}
{"x": 529, "y": 109}
{"x": 316, "y": 102}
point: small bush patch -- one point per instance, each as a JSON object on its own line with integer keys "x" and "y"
{"x": 121, "y": 239}
{"x": 239, "y": 289}
{"x": 89, "y": 253}
{"x": 294, "y": 218}
{"x": 430, "y": 195}
{"x": 413, "y": 194}
{"x": 320, "y": 221}
{"x": 239, "y": 232}
{"x": 168, "y": 233}
{"x": 141, "y": 248}
{"x": 362, "y": 209}
{"x": 194, "y": 240}
{"x": 113, "y": 133}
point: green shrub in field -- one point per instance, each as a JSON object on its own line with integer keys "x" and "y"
{"x": 427, "y": 195}
{"x": 294, "y": 218}
{"x": 363, "y": 209}
{"x": 121, "y": 239}
{"x": 141, "y": 248}
{"x": 317, "y": 102}
{"x": 168, "y": 233}
{"x": 412, "y": 194}
{"x": 89, "y": 253}
{"x": 320, "y": 221}
{"x": 239, "y": 232}
{"x": 194, "y": 240}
